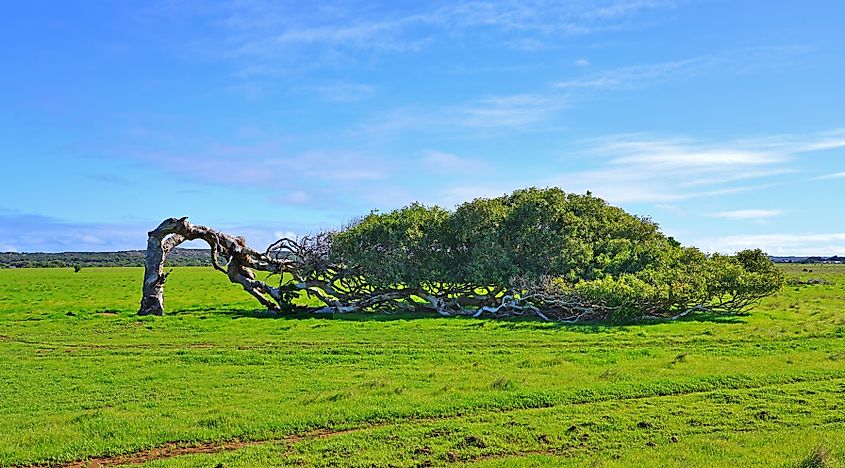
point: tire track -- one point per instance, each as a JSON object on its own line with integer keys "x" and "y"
{"x": 175, "y": 449}
{"x": 571, "y": 450}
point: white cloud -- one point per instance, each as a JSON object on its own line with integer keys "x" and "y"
{"x": 541, "y": 109}
{"x": 448, "y": 163}
{"x": 91, "y": 240}
{"x": 582, "y": 62}
{"x": 619, "y": 9}
{"x": 298, "y": 197}
{"x": 518, "y": 110}
{"x": 344, "y": 92}
{"x": 335, "y": 167}
{"x": 640, "y": 75}
{"x": 683, "y": 156}
{"x": 277, "y": 38}
{"x": 284, "y": 234}
{"x": 538, "y": 110}
{"x": 33, "y": 233}
{"x": 747, "y": 214}
{"x": 634, "y": 168}
{"x": 807, "y": 244}
{"x": 633, "y": 76}
{"x": 266, "y": 164}
{"x": 835, "y": 175}
{"x": 800, "y": 143}
{"x": 638, "y": 168}
{"x": 671, "y": 208}
{"x": 528, "y": 44}
{"x": 450, "y": 197}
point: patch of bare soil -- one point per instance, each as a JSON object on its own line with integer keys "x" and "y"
{"x": 175, "y": 449}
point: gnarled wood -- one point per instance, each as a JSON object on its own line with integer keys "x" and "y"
{"x": 306, "y": 266}
{"x": 240, "y": 261}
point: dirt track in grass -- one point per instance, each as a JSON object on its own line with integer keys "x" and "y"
{"x": 176, "y": 449}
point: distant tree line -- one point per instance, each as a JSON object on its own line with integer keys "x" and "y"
{"x": 535, "y": 252}
{"x": 127, "y": 258}
{"x": 810, "y": 260}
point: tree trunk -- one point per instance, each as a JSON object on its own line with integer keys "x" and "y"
{"x": 152, "y": 301}
{"x": 241, "y": 260}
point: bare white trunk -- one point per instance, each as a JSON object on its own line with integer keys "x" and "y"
{"x": 152, "y": 301}
{"x": 241, "y": 260}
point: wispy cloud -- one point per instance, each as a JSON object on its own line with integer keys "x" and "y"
{"x": 671, "y": 208}
{"x": 835, "y": 175}
{"x": 641, "y": 75}
{"x": 747, "y": 214}
{"x": 266, "y": 164}
{"x": 382, "y": 35}
{"x": 26, "y": 232}
{"x": 344, "y": 91}
{"x": 450, "y": 197}
{"x": 331, "y": 181}
{"x": 821, "y": 141}
{"x": 805, "y": 244}
{"x": 296, "y": 197}
{"x": 517, "y": 110}
{"x": 637, "y": 168}
{"x": 448, "y": 163}
{"x": 527, "y": 44}
{"x": 264, "y": 35}
{"x": 541, "y": 108}
{"x": 634, "y": 169}
{"x": 634, "y": 76}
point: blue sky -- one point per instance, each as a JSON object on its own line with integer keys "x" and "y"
{"x": 723, "y": 121}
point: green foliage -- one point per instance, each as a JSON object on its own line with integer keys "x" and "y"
{"x": 598, "y": 252}
{"x": 404, "y": 246}
{"x": 738, "y": 281}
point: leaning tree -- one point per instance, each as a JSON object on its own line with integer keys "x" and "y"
{"x": 537, "y": 252}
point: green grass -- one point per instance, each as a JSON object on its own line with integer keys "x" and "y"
{"x": 82, "y": 376}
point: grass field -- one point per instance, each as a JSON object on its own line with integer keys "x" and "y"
{"x": 84, "y": 378}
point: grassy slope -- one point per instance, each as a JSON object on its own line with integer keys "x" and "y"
{"x": 78, "y": 381}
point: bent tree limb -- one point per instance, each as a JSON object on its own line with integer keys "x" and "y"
{"x": 308, "y": 265}
{"x": 240, "y": 260}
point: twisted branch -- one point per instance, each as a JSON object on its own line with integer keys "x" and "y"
{"x": 306, "y": 265}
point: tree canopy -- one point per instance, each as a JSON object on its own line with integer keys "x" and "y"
{"x": 555, "y": 245}
{"x": 539, "y": 252}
